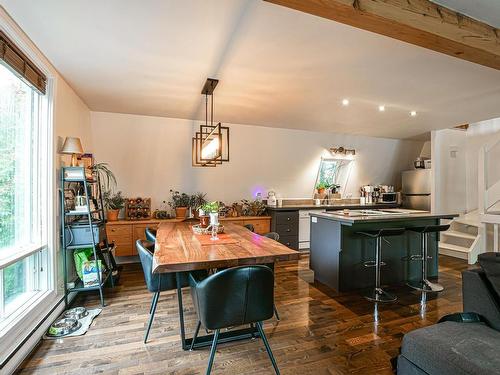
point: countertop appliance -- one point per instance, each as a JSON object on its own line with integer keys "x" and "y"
{"x": 417, "y": 189}
{"x": 389, "y": 197}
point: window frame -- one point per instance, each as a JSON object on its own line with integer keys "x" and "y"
{"x": 28, "y": 318}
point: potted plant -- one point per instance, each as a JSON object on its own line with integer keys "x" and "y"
{"x": 252, "y": 208}
{"x": 180, "y": 203}
{"x": 321, "y": 187}
{"x": 113, "y": 203}
{"x": 197, "y": 202}
{"x": 212, "y": 209}
{"x": 106, "y": 176}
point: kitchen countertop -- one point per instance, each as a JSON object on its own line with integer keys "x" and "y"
{"x": 339, "y": 206}
{"x": 394, "y": 215}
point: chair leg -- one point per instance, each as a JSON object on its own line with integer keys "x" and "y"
{"x": 276, "y": 312}
{"x": 195, "y": 336}
{"x": 268, "y": 348}
{"x": 212, "y": 352}
{"x": 152, "y": 311}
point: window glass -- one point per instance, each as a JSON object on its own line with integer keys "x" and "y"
{"x": 23, "y": 195}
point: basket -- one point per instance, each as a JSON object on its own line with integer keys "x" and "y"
{"x": 197, "y": 229}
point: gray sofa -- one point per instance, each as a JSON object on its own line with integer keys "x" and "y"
{"x": 461, "y": 348}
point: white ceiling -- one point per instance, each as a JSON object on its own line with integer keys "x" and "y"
{"x": 483, "y": 10}
{"x": 277, "y": 67}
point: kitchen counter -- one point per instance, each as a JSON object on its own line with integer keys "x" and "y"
{"x": 384, "y": 215}
{"x": 332, "y": 207}
{"x": 338, "y": 252}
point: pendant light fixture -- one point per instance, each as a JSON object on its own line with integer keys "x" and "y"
{"x": 210, "y": 145}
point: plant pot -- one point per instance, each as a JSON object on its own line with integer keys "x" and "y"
{"x": 204, "y": 221}
{"x": 113, "y": 215}
{"x": 180, "y": 212}
{"x": 321, "y": 191}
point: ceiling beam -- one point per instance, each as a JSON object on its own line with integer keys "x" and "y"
{"x": 419, "y": 22}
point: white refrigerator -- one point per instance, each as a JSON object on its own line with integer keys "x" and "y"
{"x": 416, "y": 192}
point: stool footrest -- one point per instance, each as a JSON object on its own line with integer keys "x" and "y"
{"x": 418, "y": 257}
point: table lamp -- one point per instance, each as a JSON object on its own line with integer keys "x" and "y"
{"x": 73, "y": 146}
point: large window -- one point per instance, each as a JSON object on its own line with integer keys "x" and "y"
{"x": 24, "y": 225}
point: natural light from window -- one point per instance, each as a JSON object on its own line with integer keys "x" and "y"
{"x": 24, "y": 265}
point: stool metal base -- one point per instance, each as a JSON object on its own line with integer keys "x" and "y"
{"x": 380, "y": 295}
{"x": 425, "y": 286}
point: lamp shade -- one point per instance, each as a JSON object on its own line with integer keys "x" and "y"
{"x": 72, "y": 145}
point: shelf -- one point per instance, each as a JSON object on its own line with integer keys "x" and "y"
{"x": 80, "y": 288}
{"x": 75, "y": 213}
{"x": 85, "y": 246}
{"x": 89, "y": 181}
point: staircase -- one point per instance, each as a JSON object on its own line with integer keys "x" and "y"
{"x": 462, "y": 240}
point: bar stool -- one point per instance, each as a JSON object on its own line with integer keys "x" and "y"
{"x": 425, "y": 285}
{"x": 378, "y": 294}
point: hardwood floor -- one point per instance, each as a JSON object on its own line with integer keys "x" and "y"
{"x": 320, "y": 332}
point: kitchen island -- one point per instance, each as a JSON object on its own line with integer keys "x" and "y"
{"x": 338, "y": 253}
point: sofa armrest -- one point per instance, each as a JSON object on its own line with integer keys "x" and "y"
{"x": 479, "y": 297}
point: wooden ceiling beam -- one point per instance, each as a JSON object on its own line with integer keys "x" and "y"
{"x": 419, "y": 22}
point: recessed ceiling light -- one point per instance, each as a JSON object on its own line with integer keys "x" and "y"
{"x": 381, "y": 108}
{"x": 413, "y": 113}
{"x": 345, "y": 102}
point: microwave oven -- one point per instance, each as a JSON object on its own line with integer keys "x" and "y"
{"x": 389, "y": 197}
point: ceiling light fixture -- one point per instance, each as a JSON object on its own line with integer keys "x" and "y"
{"x": 381, "y": 108}
{"x": 413, "y": 113}
{"x": 345, "y": 102}
{"x": 210, "y": 145}
{"x": 342, "y": 151}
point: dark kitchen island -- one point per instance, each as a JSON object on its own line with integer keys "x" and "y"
{"x": 338, "y": 252}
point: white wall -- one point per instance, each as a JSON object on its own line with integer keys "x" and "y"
{"x": 478, "y": 135}
{"x": 150, "y": 155}
{"x": 448, "y": 166}
{"x": 71, "y": 117}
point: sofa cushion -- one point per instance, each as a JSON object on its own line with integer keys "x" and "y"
{"x": 454, "y": 348}
{"x": 490, "y": 263}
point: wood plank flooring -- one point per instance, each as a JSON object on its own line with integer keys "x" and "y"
{"x": 320, "y": 332}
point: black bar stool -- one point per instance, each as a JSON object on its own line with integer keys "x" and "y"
{"x": 425, "y": 285}
{"x": 378, "y": 294}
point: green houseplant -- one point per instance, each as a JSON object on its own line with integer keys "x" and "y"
{"x": 106, "y": 176}
{"x": 196, "y": 203}
{"x": 321, "y": 187}
{"x": 253, "y": 208}
{"x": 180, "y": 203}
{"x": 113, "y": 203}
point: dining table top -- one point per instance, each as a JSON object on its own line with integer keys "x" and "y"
{"x": 178, "y": 248}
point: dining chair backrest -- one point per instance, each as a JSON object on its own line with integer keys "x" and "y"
{"x": 272, "y": 235}
{"x": 234, "y": 296}
{"x": 151, "y": 234}
{"x": 250, "y": 227}
{"x": 155, "y": 282}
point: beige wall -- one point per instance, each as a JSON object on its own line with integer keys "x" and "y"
{"x": 150, "y": 155}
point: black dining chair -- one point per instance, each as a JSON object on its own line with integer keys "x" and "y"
{"x": 155, "y": 282}
{"x": 232, "y": 297}
{"x": 250, "y": 227}
{"x": 151, "y": 234}
{"x": 274, "y": 236}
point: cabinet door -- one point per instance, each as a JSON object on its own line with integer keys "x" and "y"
{"x": 140, "y": 233}
{"x": 121, "y": 235}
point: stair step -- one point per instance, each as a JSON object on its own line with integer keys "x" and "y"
{"x": 454, "y": 250}
{"x": 454, "y": 233}
{"x": 473, "y": 222}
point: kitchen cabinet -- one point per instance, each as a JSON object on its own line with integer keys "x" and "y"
{"x": 124, "y": 233}
{"x": 286, "y": 224}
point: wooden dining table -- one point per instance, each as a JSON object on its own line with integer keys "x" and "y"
{"x": 178, "y": 249}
